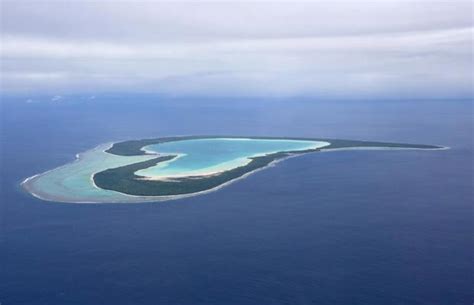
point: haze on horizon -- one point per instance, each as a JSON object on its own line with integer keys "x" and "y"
{"x": 333, "y": 49}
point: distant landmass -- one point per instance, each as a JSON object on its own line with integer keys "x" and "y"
{"x": 174, "y": 167}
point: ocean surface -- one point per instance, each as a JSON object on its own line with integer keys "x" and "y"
{"x": 348, "y": 227}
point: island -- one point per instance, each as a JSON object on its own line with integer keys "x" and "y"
{"x": 175, "y": 167}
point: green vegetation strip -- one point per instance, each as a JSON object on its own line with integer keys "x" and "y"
{"x": 134, "y": 147}
{"x": 124, "y": 180}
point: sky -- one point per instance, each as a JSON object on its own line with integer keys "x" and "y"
{"x": 332, "y": 49}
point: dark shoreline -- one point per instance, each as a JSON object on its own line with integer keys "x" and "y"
{"x": 123, "y": 179}
{"x": 134, "y": 147}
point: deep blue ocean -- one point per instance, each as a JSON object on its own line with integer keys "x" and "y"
{"x": 349, "y": 227}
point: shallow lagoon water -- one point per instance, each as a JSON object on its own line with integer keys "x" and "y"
{"x": 205, "y": 156}
{"x": 73, "y": 182}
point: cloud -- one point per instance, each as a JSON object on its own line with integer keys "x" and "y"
{"x": 179, "y": 21}
{"x": 260, "y": 48}
{"x": 56, "y": 98}
{"x": 425, "y": 41}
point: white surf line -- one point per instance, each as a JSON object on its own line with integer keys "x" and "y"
{"x": 24, "y": 185}
{"x": 77, "y": 158}
{"x": 382, "y": 148}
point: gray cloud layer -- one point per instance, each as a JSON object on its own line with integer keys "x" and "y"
{"x": 324, "y": 48}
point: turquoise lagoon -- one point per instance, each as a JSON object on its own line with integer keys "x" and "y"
{"x": 207, "y": 156}
{"x": 73, "y": 182}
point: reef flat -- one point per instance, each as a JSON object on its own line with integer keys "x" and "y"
{"x": 174, "y": 167}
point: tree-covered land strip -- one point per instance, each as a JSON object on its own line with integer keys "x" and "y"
{"x": 124, "y": 180}
{"x": 134, "y": 147}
